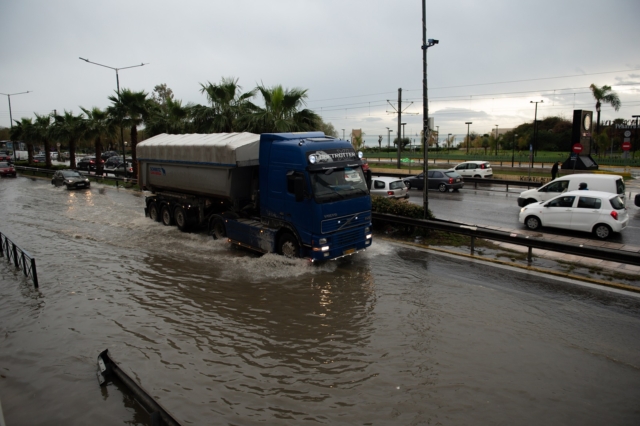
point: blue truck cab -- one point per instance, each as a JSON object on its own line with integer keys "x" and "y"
{"x": 312, "y": 186}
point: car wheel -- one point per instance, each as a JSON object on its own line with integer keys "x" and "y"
{"x": 532, "y": 222}
{"x": 154, "y": 214}
{"x": 288, "y": 246}
{"x": 408, "y": 185}
{"x": 478, "y": 176}
{"x": 180, "y": 217}
{"x": 165, "y": 214}
{"x": 217, "y": 228}
{"x": 69, "y": 187}
{"x": 442, "y": 187}
{"x": 602, "y": 231}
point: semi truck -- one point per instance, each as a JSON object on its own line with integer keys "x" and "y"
{"x": 296, "y": 194}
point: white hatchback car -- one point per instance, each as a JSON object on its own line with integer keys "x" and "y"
{"x": 475, "y": 169}
{"x": 590, "y": 211}
{"x": 390, "y": 187}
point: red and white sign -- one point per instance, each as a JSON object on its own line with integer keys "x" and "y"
{"x": 577, "y": 148}
{"x": 626, "y": 146}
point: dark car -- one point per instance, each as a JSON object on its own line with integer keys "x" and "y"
{"x": 108, "y": 154}
{"x": 7, "y": 170}
{"x": 88, "y": 164}
{"x": 70, "y": 178}
{"x": 113, "y": 162}
{"x": 440, "y": 179}
{"x": 39, "y": 158}
{"x": 6, "y": 156}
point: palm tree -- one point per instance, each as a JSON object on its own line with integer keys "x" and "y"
{"x": 130, "y": 109}
{"x": 43, "y": 130}
{"x": 168, "y": 117}
{"x": 228, "y": 105}
{"x": 96, "y": 126}
{"x": 24, "y": 130}
{"x": 282, "y": 112}
{"x": 69, "y": 128}
{"x": 606, "y": 95}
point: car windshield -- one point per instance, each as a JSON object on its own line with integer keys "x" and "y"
{"x": 70, "y": 174}
{"x": 398, "y": 184}
{"x": 452, "y": 174}
{"x": 3, "y": 165}
{"x": 338, "y": 184}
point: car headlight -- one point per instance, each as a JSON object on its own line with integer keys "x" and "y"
{"x": 522, "y": 209}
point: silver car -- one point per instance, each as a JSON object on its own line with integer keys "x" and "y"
{"x": 390, "y": 187}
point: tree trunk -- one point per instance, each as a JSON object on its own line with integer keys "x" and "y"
{"x": 47, "y": 152}
{"x": 72, "y": 154}
{"x": 98, "y": 156}
{"x": 134, "y": 142}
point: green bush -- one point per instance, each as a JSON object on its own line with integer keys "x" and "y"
{"x": 399, "y": 208}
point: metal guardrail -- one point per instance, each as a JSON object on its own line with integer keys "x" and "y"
{"x": 482, "y": 181}
{"x": 97, "y": 178}
{"x": 515, "y": 238}
{"x": 20, "y": 258}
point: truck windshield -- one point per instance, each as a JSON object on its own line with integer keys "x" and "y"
{"x": 338, "y": 184}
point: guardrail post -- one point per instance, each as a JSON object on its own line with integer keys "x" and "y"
{"x": 24, "y": 265}
{"x": 1, "y": 246}
{"x": 15, "y": 254}
{"x": 473, "y": 244}
{"x": 530, "y": 255}
{"x": 34, "y": 273}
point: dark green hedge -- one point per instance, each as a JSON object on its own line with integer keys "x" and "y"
{"x": 399, "y": 208}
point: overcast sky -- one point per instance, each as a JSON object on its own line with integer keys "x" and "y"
{"x": 494, "y": 56}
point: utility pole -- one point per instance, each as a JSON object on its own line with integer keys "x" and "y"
{"x": 399, "y": 122}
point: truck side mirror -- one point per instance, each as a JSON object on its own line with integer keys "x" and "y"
{"x": 298, "y": 188}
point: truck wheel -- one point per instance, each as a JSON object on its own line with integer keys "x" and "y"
{"x": 217, "y": 229}
{"x": 288, "y": 246}
{"x": 167, "y": 220}
{"x": 180, "y": 217}
{"x": 154, "y": 214}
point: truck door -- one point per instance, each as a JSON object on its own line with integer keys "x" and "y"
{"x": 299, "y": 213}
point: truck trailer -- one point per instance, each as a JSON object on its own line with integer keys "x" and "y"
{"x": 296, "y": 194}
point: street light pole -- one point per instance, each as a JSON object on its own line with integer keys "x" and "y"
{"x": 389, "y": 137}
{"x": 426, "y": 44}
{"x": 468, "y": 123}
{"x": 8, "y": 95}
{"x": 535, "y": 130}
{"x": 448, "y": 142}
{"x": 124, "y": 160}
{"x": 496, "y": 140}
{"x": 513, "y": 148}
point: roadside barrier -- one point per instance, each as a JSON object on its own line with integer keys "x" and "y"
{"x": 20, "y": 258}
{"x": 514, "y": 238}
{"x": 108, "y": 370}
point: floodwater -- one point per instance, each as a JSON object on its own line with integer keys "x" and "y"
{"x": 392, "y": 336}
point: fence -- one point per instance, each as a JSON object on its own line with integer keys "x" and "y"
{"x": 514, "y": 238}
{"x": 20, "y": 258}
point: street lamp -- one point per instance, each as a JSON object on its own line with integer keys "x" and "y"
{"x": 8, "y": 95}
{"x": 468, "y": 123}
{"x": 124, "y": 160}
{"x": 513, "y": 148}
{"x": 496, "y": 140}
{"x": 389, "y": 137}
{"x": 535, "y": 129}
{"x": 448, "y": 142}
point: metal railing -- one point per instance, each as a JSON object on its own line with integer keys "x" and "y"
{"x": 20, "y": 258}
{"x": 98, "y": 178}
{"x": 577, "y": 249}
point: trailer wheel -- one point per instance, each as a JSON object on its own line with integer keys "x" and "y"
{"x": 154, "y": 214}
{"x": 288, "y": 246}
{"x": 180, "y": 217}
{"x": 217, "y": 229}
{"x": 167, "y": 220}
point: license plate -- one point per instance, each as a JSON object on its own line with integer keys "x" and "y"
{"x": 458, "y": 180}
{"x": 349, "y": 251}
{"x": 80, "y": 184}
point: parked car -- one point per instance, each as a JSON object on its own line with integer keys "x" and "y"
{"x": 607, "y": 183}
{"x": 6, "y": 156}
{"x": 440, "y": 179}
{"x": 590, "y": 211}
{"x": 389, "y": 187}
{"x": 476, "y": 169}
{"x": 39, "y": 158}
{"x": 121, "y": 169}
{"x": 113, "y": 162}
{"x": 108, "y": 154}
{"x": 7, "y": 170}
{"x": 70, "y": 178}
{"x": 88, "y": 164}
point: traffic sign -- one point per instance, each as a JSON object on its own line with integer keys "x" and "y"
{"x": 626, "y": 146}
{"x": 577, "y": 148}
{"x": 627, "y": 133}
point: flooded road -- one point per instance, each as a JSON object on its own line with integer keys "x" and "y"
{"x": 392, "y": 336}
